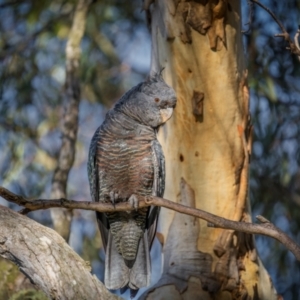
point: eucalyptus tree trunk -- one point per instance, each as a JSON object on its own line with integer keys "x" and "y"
{"x": 207, "y": 146}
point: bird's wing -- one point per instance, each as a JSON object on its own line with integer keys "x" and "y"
{"x": 157, "y": 190}
{"x": 94, "y": 176}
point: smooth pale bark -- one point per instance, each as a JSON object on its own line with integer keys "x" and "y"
{"x": 207, "y": 143}
{"x": 47, "y": 260}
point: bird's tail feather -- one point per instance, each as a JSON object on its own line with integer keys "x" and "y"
{"x": 140, "y": 274}
{"x": 118, "y": 275}
{"x": 116, "y": 272}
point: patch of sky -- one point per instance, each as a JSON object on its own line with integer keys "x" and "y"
{"x": 44, "y": 61}
{"x": 258, "y": 149}
{"x": 21, "y": 29}
{"x": 29, "y": 153}
{"x": 117, "y": 28}
{"x": 55, "y": 46}
{"x": 31, "y": 115}
{"x": 138, "y": 52}
{"x": 293, "y": 82}
{"x": 274, "y": 68}
{"x": 294, "y": 112}
{"x": 98, "y": 269}
{"x": 291, "y": 147}
{"x": 133, "y": 46}
{"x": 51, "y": 141}
{"x": 264, "y": 114}
{"x": 253, "y": 102}
{"x": 282, "y": 96}
{"x": 9, "y": 93}
{"x": 58, "y": 73}
{"x": 45, "y": 16}
{"x": 24, "y": 8}
{"x": 76, "y": 236}
{"x": 46, "y": 89}
{"x": 288, "y": 67}
{"x": 290, "y": 131}
{"x": 36, "y": 82}
{"x": 7, "y": 20}
{"x": 88, "y": 228}
{"x": 283, "y": 223}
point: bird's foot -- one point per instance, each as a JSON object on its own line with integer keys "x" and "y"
{"x": 134, "y": 201}
{"x": 114, "y": 195}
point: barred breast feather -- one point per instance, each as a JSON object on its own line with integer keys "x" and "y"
{"x": 126, "y": 158}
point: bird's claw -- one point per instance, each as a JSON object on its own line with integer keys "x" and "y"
{"x": 114, "y": 195}
{"x": 134, "y": 201}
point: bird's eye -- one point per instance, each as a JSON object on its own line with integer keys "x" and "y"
{"x": 156, "y": 100}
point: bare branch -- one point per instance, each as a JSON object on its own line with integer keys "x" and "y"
{"x": 62, "y": 218}
{"x": 271, "y": 14}
{"x": 266, "y": 228}
{"x": 250, "y": 4}
{"x": 47, "y": 260}
{"x": 293, "y": 47}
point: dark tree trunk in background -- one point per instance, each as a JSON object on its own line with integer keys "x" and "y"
{"x": 62, "y": 217}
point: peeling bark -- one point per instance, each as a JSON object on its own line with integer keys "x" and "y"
{"x": 205, "y": 17}
{"x": 47, "y": 260}
{"x": 61, "y": 217}
{"x": 182, "y": 259}
{"x": 208, "y": 142}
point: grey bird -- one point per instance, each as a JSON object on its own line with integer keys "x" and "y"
{"x": 126, "y": 160}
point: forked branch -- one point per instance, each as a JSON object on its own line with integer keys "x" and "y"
{"x": 293, "y": 45}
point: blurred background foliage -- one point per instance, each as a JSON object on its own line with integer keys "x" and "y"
{"x": 274, "y": 80}
{"x": 115, "y": 56}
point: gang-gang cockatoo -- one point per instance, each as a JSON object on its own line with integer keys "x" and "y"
{"x": 126, "y": 160}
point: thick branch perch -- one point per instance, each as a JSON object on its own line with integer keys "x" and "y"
{"x": 49, "y": 262}
{"x": 266, "y": 228}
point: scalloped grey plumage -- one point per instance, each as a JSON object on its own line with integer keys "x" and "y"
{"x": 126, "y": 160}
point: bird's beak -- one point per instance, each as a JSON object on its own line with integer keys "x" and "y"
{"x": 166, "y": 114}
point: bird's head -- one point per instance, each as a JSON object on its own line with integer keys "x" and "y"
{"x": 150, "y": 103}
